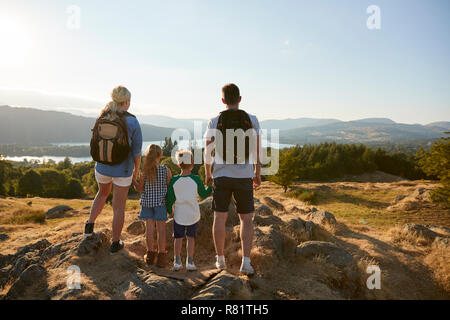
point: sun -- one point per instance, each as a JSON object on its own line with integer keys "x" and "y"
{"x": 16, "y": 42}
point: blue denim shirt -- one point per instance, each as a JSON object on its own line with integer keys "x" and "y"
{"x": 125, "y": 169}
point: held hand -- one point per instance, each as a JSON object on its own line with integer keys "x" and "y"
{"x": 256, "y": 181}
{"x": 209, "y": 180}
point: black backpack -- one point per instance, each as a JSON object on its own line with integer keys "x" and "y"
{"x": 234, "y": 119}
{"x": 109, "y": 142}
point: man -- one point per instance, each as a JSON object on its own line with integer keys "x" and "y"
{"x": 236, "y": 177}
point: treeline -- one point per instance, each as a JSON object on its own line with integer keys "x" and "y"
{"x": 14, "y": 150}
{"x": 331, "y": 160}
{"x": 49, "y": 180}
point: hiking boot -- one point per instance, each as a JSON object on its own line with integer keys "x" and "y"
{"x": 220, "y": 263}
{"x": 116, "y": 247}
{"x": 88, "y": 229}
{"x": 161, "y": 260}
{"x": 247, "y": 269}
{"x": 150, "y": 257}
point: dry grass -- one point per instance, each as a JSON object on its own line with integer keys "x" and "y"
{"x": 439, "y": 262}
{"x": 24, "y": 216}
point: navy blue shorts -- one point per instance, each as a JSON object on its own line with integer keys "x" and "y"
{"x": 180, "y": 231}
{"x": 240, "y": 188}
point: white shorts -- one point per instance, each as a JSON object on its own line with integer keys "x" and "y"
{"x": 118, "y": 181}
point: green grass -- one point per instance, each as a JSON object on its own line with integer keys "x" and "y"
{"x": 309, "y": 197}
{"x": 24, "y": 216}
{"x": 370, "y": 207}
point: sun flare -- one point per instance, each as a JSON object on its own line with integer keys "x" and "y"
{"x": 16, "y": 41}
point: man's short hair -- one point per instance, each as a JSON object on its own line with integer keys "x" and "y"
{"x": 185, "y": 159}
{"x": 231, "y": 94}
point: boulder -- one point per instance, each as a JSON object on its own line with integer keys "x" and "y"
{"x": 154, "y": 287}
{"x": 22, "y": 263}
{"x": 223, "y": 286}
{"x": 266, "y": 220}
{"x": 40, "y": 245}
{"x": 321, "y": 217}
{"x": 269, "y": 238}
{"x": 33, "y": 276}
{"x": 3, "y": 237}
{"x": 57, "y": 212}
{"x": 136, "y": 228}
{"x": 207, "y": 214}
{"x": 92, "y": 244}
{"x": 263, "y": 210}
{"x": 301, "y": 230}
{"x": 273, "y": 204}
{"x": 334, "y": 254}
{"x": 419, "y": 231}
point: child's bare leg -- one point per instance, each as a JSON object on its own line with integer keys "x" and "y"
{"x": 161, "y": 230}
{"x": 149, "y": 232}
{"x": 177, "y": 245}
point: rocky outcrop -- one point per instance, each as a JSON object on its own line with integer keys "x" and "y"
{"x": 300, "y": 230}
{"x": 33, "y": 279}
{"x": 136, "y": 228}
{"x": 58, "y": 212}
{"x": 321, "y": 217}
{"x": 334, "y": 254}
{"x": 154, "y": 287}
{"x": 273, "y": 204}
{"x": 224, "y": 286}
{"x": 419, "y": 231}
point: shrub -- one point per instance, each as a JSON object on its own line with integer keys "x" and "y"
{"x": 309, "y": 197}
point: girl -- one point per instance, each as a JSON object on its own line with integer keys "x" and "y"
{"x": 153, "y": 186}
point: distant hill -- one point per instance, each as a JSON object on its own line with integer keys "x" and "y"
{"x": 287, "y": 124}
{"x": 362, "y": 131}
{"x": 170, "y": 122}
{"x": 33, "y": 126}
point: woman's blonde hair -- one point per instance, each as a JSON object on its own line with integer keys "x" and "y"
{"x": 119, "y": 96}
{"x": 152, "y": 155}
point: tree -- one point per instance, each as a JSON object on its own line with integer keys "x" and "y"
{"x": 53, "y": 183}
{"x": 168, "y": 146}
{"x": 74, "y": 190}
{"x": 436, "y": 162}
{"x": 30, "y": 184}
{"x": 287, "y": 171}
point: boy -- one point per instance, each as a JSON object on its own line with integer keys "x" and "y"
{"x": 182, "y": 195}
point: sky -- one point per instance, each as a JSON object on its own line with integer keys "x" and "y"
{"x": 290, "y": 58}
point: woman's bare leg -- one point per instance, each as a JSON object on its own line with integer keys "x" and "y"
{"x": 120, "y": 195}
{"x": 100, "y": 199}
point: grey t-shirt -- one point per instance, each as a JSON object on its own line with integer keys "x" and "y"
{"x": 231, "y": 170}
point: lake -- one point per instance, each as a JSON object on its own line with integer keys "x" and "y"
{"x": 182, "y": 144}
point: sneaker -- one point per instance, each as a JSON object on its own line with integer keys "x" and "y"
{"x": 88, "y": 229}
{"x": 176, "y": 266}
{"x": 116, "y": 247}
{"x": 220, "y": 264}
{"x": 191, "y": 266}
{"x": 246, "y": 268}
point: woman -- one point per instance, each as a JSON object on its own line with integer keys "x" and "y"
{"x": 121, "y": 175}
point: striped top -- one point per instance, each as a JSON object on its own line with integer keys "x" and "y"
{"x": 154, "y": 194}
